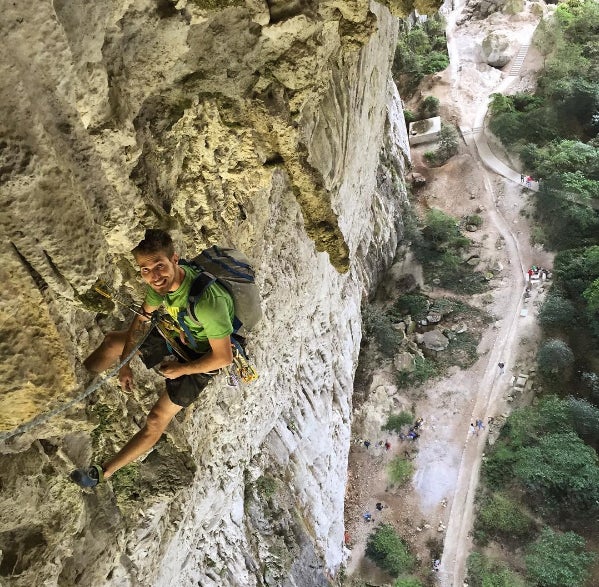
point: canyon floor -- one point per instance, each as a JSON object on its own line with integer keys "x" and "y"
{"x": 434, "y": 512}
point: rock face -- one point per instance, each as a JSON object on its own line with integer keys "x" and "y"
{"x": 272, "y": 127}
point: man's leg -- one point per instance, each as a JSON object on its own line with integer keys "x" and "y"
{"x": 107, "y": 353}
{"x": 158, "y": 419}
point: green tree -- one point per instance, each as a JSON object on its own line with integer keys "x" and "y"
{"x": 591, "y": 295}
{"x": 441, "y": 230}
{"x": 389, "y": 551}
{"x": 554, "y": 357}
{"x": 500, "y": 104}
{"x": 396, "y": 421}
{"x": 558, "y": 560}
{"x": 557, "y": 312}
{"x": 585, "y": 418}
{"x": 561, "y": 470}
{"x": 448, "y": 143}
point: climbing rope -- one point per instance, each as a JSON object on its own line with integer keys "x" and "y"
{"x": 42, "y": 418}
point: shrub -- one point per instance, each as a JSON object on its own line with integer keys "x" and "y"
{"x": 389, "y": 551}
{"x": 400, "y": 471}
{"x": 378, "y": 327}
{"x": 407, "y": 582}
{"x": 429, "y": 107}
{"x": 266, "y": 486}
{"x": 416, "y": 305}
{"x": 498, "y": 467}
{"x": 585, "y": 417}
{"x": 430, "y": 157}
{"x": 499, "y": 516}
{"x": 558, "y": 560}
{"x": 396, "y": 421}
{"x": 409, "y": 116}
{"x": 474, "y": 219}
{"x": 484, "y": 572}
{"x": 424, "y": 369}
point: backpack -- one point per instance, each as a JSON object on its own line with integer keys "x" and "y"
{"x": 232, "y": 269}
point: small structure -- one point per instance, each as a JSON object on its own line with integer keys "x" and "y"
{"x": 425, "y": 131}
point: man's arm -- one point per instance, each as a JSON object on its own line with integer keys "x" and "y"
{"x": 218, "y": 357}
{"x": 136, "y": 330}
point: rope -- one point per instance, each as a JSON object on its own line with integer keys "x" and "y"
{"x": 42, "y": 418}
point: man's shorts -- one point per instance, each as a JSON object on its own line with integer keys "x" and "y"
{"x": 185, "y": 389}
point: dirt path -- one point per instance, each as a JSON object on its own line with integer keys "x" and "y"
{"x": 439, "y": 504}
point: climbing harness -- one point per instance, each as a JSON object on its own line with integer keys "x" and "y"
{"x": 42, "y": 418}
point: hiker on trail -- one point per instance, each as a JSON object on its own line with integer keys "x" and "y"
{"x": 367, "y": 443}
{"x": 387, "y": 445}
{"x": 501, "y": 368}
{"x": 480, "y": 425}
{"x": 471, "y": 429}
{"x": 209, "y": 350}
{"x": 521, "y": 178}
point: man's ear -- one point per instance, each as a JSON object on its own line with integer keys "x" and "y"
{"x": 175, "y": 259}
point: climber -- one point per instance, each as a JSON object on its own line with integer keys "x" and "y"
{"x": 210, "y": 350}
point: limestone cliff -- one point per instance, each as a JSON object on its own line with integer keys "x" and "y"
{"x": 270, "y": 126}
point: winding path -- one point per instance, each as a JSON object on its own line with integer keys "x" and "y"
{"x": 457, "y": 544}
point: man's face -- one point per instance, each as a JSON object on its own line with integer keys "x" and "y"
{"x": 159, "y": 272}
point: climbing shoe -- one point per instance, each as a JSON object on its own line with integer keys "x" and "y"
{"x": 88, "y": 476}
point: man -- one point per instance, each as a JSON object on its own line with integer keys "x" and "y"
{"x": 169, "y": 285}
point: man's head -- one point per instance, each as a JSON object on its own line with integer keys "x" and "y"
{"x": 158, "y": 262}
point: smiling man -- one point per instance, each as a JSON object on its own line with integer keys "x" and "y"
{"x": 210, "y": 348}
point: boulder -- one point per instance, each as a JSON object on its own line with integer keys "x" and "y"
{"x": 418, "y": 180}
{"x": 496, "y": 50}
{"x": 403, "y": 362}
{"x": 435, "y": 340}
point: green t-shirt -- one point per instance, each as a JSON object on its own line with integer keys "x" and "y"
{"x": 214, "y": 310}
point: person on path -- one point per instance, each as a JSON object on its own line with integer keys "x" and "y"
{"x": 480, "y": 425}
{"x": 387, "y": 445}
{"x": 521, "y": 178}
{"x": 501, "y": 366}
{"x": 471, "y": 429}
{"x": 169, "y": 285}
{"x": 367, "y": 443}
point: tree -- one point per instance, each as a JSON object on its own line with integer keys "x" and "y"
{"x": 500, "y": 516}
{"x": 554, "y": 357}
{"x": 448, "y": 143}
{"x": 585, "y": 417}
{"x": 558, "y": 560}
{"x": 485, "y": 572}
{"x": 440, "y": 229}
{"x": 389, "y": 551}
{"x": 557, "y": 312}
{"x": 560, "y": 470}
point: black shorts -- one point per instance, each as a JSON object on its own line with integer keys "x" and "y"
{"x": 185, "y": 389}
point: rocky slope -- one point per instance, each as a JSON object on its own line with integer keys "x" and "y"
{"x": 270, "y": 126}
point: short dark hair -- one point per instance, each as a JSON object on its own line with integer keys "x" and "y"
{"x": 155, "y": 241}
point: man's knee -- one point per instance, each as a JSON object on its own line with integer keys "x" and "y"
{"x": 114, "y": 341}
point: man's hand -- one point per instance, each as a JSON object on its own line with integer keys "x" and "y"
{"x": 173, "y": 369}
{"x": 126, "y": 378}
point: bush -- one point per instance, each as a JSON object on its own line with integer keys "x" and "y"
{"x": 424, "y": 369}
{"x": 429, "y": 107}
{"x": 378, "y": 327}
{"x": 415, "y": 305}
{"x": 558, "y": 560}
{"x": 501, "y": 517}
{"x": 430, "y": 157}
{"x": 498, "y": 467}
{"x": 483, "y": 572}
{"x": 400, "y": 471}
{"x": 407, "y": 582}
{"x": 409, "y": 116}
{"x": 474, "y": 219}
{"x": 585, "y": 417}
{"x": 396, "y": 421}
{"x": 554, "y": 357}
{"x": 389, "y": 551}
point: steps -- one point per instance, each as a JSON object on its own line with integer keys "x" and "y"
{"x": 519, "y": 60}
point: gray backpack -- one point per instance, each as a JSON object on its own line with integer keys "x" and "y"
{"x": 232, "y": 269}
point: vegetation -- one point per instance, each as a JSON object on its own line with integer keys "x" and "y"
{"x": 429, "y": 107}
{"x": 448, "y": 145}
{"x": 379, "y": 327}
{"x": 396, "y": 421}
{"x": 554, "y": 357}
{"x": 424, "y": 369}
{"x": 485, "y": 572}
{"x": 558, "y": 560}
{"x": 389, "y": 551}
{"x": 407, "y": 582}
{"x": 414, "y": 305}
{"x": 266, "y": 486}
{"x": 440, "y": 247}
{"x": 500, "y": 517}
{"x": 421, "y": 50}
{"x": 400, "y": 471}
